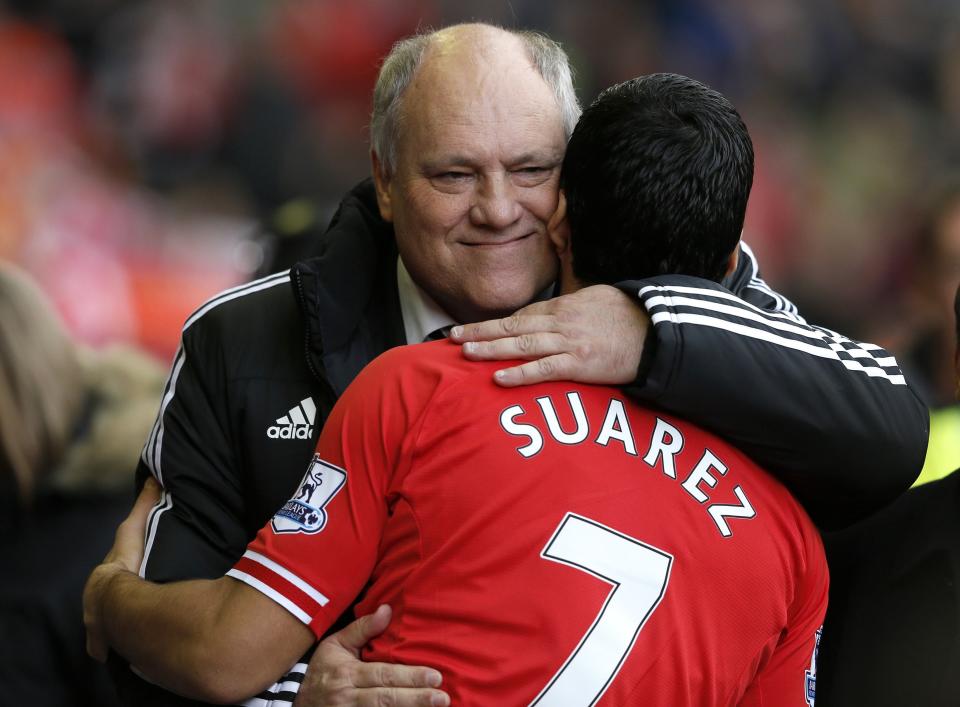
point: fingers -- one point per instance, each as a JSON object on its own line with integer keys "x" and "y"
{"x": 136, "y": 521}
{"x": 528, "y": 346}
{"x": 150, "y": 493}
{"x": 92, "y": 610}
{"x": 551, "y": 368}
{"x": 402, "y": 697}
{"x": 127, "y": 547}
{"x": 337, "y": 677}
{"x": 96, "y": 646}
{"x": 126, "y": 554}
{"x": 369, "y": 675}
{"x": 521, "y": 322}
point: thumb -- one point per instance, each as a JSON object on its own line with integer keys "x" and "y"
{"x": 365, "y": 629}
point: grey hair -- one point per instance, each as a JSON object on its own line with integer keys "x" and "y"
{"x": 401, "y": 64}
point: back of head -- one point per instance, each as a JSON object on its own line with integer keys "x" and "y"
{"x": 656, "y": 176}
{"x": 41, "y": 388}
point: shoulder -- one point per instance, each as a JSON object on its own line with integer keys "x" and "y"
{"x": 259, "y": 299}
{"x": 440, "y": 363}
{"x": 359, "y": 209}
{"x": 420, "y": 376}
{"x": 252, "y": 332}
{"x": 748, "y": 284}
{"x": 245, "y": 323}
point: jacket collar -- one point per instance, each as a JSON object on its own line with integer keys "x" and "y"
{"x": 422, "y": 316}
{"x": 348, "y": 292}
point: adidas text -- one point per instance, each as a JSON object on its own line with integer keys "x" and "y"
{"x": 297, "y": 423}
{"x": 290, "y": 432}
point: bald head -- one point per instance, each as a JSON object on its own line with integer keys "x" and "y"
{"x": 453, "y": 52}
{"x": 468, "y": 38}
{"x": 470, "y": 60}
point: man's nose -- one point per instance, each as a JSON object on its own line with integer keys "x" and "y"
{"x": 495, "y": 203}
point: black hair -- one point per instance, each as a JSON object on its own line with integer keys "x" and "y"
{"x": 656, "y": 175}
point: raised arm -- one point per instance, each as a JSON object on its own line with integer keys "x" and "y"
{"x": 834, "y": 419}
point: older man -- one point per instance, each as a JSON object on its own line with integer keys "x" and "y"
{"x": 468, "y": 131}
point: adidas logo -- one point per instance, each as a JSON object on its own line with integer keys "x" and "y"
{"x": 296, "y": 424}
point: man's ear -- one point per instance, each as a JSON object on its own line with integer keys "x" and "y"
{"x": 733, "y": 260}
{"x": 382, "y": 183}
{"x": 558, "y": 229}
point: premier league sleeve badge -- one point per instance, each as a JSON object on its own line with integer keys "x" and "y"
{"x": 304, "y": 513}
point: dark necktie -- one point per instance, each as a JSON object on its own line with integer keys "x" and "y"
{"x": 437, "y": 334}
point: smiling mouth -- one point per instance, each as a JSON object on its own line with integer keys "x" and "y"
{"x": 497, "y": 244}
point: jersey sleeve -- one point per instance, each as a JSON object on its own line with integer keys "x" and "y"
{"x": 834, "y": 419}
{"x": 318, "y": 551}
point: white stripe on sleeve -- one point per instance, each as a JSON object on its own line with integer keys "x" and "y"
{"x": 669, "y": 293}
{"x": 153, "y": 520}
{"x": 752, "y": 332}
{"x": 151, "y": 451}
{"x": 270, "y": 592}
{"x": 153, "y": 448}
{"x": 318, "y": 597}
{"x": 734, "y": 311}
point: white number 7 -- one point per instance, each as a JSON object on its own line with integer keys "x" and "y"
{"x": 638, "y": 573}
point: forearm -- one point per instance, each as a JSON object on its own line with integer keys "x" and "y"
{"x": 195, "y": 638}
{"x": 163, "y": 630}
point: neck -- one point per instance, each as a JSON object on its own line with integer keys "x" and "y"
{"x": 569, "y": 283}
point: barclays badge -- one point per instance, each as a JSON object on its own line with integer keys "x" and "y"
{"x": 304, "y": 513}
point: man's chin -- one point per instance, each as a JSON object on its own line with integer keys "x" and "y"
{"x": 495, "y": 303}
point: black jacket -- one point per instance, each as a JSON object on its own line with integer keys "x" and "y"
{"x": 236, "y": 428}
{"x": 892, "y": 633}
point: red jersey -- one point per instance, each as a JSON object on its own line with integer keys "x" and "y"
{"x": 552, "y": 545}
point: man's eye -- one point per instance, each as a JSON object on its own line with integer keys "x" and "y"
{"x": 533, "y": 175}
{"x": 452, "y": 176}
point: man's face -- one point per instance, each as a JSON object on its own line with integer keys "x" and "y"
{"x": 478, "y": 163}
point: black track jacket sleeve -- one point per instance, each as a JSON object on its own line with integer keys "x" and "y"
{"x": 192, "y": 454}
{"x": 832, "y": 418}
{"x": 195, "y": 530}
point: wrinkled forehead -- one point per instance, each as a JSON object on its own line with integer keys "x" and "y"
{"x": 480, "y": 93}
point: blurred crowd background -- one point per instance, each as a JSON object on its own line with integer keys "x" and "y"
{"x": 154, "y": 152}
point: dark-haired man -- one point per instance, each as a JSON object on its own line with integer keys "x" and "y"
{"x": 554, "y": 544}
